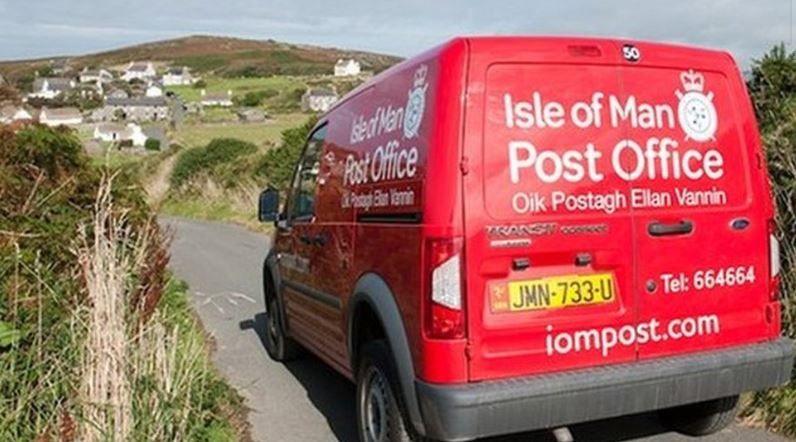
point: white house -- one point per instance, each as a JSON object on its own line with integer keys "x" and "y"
{"x": 66, "y": 116}
{"x": 178, "y": 76}
{"x": 49, "y": 88}
{"x": 221, "y": 99}
{"x": 318, "y": 100}
{"x": 139, "y": 70}
{"x": 347, "y": 68}
{"x": 10, "y": 114}
{"x": 99, "y": 76}
{"x": 154, "y": 90}
{"x": 114, "y": 133}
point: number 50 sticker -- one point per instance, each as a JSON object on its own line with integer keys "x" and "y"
{"x": 631, "y": 53}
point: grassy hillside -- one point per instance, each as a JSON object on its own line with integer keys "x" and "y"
{"x": 230, "y": 57}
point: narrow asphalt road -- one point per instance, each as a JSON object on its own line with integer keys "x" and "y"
{"x": 305, "y": 400}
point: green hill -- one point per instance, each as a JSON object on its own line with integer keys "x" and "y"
{"x": 225, "y": 56}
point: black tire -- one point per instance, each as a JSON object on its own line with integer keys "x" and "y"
{"x": 279, "y": 345}
{"x": 702, "y": 418}
{"x": 380, "y": 410}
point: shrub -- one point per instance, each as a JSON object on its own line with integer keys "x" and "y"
{"x": 194, "y": 162}
{"x": 152, "y": 144}
{"x": 277, "y": 164}
{"x": 773, "y": 89}
{"x": 201, "y": 84}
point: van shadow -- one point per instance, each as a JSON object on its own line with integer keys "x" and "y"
{"x": 334, "y": 396}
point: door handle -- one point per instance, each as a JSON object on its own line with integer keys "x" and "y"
{"x": 317, "y": 240}
{"x": 320, "y": 239}
{"x": 682, "y": 227}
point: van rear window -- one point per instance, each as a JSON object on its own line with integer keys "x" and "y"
{"x": 601, "y": 139}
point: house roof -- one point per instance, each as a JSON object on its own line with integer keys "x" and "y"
{"x": 62, "y": 113}
{"x": 177, "y": 70}
{"x": 342, "y": 62}
{"x": 109, "y": 128}
{"x": 54, "y": 83}
{"x": 138, "y": 66}
{"x": 322, "y": 92}
{"x": 136, "y": 101}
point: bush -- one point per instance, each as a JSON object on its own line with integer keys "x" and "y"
{"x": 201, "y": 84}
{"x": 152, "y": 144}
{"x": 253, "y": 99}
{"x": 70, "y": 246}
{"x": 194, "y": 162}
{"x": 277, "y": 164}
{"x": 773, "y": 89}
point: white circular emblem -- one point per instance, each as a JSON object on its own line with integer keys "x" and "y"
{"x": 696, "y": 112}
{"x": 416, "y": 104}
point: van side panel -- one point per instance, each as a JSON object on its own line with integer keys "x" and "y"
{"x": 384, "y": 136}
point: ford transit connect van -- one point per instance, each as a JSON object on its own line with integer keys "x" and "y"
{"x": 507, "y": 234}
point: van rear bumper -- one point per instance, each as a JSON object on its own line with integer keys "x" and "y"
{"x": 464, "y": 412}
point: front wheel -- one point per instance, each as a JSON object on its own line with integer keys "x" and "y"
{"x": 702, "y": 418}
{"x": 279, "y": 346}
{"x": 379, "y": 415}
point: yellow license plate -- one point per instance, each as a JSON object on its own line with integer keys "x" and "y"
{"x": 552, "y": 292}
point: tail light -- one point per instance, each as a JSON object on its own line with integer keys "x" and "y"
{"x": 773, "y": 260}
{"x": 445, "y": 317}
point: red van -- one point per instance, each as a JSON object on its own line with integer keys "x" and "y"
{"x": 506, "y": 234}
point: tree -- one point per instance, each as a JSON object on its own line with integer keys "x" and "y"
{"x": 277, "y": 164}
{"x": 152, "y": 144}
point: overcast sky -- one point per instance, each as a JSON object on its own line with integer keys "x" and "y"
{"x": 37, "y": 28}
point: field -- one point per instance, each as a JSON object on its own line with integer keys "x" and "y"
{"x": 194, "y": 134}
{"x": 240, "y": 86}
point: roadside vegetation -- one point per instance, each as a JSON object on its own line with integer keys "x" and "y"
{"x": 97, "y": 340}
{"x": 773, "y": 88}
{"x": 222, "y": 180}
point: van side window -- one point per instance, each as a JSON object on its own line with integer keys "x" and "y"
{"x": 305, "y": 181}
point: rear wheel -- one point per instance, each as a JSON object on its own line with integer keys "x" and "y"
{"x": 379, "y": 404}
{"x": 279, "y": 346}
{"x": 702, "y": 418}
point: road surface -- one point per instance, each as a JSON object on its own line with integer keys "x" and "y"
{"x": 305, "y": 400}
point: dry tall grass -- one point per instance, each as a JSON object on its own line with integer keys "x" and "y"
{"x": 143, "y": 376}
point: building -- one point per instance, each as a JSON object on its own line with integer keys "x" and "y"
{"x": 154, "y": 89}
{"x": 318, "y": 100}
{"x": 99, "y": 76}
{"x": 178, "y": 76}
{"x": 139, "y": 70}
{"x": 252, "y": 115}
{"x": 220, "y": 99}
{"x": 52, "y": 87}
{"x": 118, "y": 93}
{"x": 60, "y": 66}
{"x": 117, "y": 133}
{"x": 133, "y": 109}
{"x": 65, "y": 116}
{"x": 347, "y": 68}
{"x": 10, "y": 114}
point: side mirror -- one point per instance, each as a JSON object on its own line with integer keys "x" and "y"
{"x": 268, "y": 207}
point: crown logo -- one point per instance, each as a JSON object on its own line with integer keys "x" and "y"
{"x": 420, "y": 75}
{"x": 692, "y": 81}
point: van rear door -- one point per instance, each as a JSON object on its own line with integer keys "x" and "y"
{"x": 549, "y": 252}
{"x": 699, "y": 210}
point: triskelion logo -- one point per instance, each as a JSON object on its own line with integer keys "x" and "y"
{"x": 696, "y": 113}
{"x": 416, "y": 103}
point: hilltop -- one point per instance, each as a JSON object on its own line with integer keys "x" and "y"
{"x": 224, "y": 56}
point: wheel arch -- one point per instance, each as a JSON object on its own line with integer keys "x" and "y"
{"x": 372, "y": 294}
{"x": 271, "y": 273}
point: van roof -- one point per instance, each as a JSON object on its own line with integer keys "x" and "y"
{"x": 520, "y": 39}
